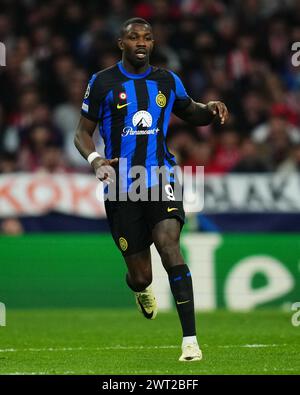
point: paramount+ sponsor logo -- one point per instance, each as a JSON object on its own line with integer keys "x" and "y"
{"x": 142, "y": 121}
{"x": 128, "y": 131}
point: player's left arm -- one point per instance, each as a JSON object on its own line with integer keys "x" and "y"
{"x": 199, "y": 114}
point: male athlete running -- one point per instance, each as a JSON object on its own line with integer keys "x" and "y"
{"x": 132, "y": 102}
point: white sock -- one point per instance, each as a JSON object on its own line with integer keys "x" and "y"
{"x": 189, "y": 340}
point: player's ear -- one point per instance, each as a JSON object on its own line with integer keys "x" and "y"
{"x": 120, "y": 44}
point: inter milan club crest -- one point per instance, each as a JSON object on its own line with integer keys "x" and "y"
{"x": 161, "y": 99}
{"x": 122, "y": 96}
{"x": 123, "y": 243}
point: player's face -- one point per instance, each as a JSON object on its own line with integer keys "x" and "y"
{"x": 137, "y": 44}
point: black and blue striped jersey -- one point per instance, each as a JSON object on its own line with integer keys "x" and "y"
{"x": 133, "y": 113}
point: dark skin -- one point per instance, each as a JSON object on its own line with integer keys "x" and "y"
{"x": 136, "y": 44}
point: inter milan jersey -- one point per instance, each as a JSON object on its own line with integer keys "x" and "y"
{"x": 133, "y": 112}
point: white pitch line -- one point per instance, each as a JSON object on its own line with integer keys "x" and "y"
{"x": 252, "y": 345}
{"x": 41, "y": 373}
{"x": 201, "y": 371}
{"x": 85, "y": 348}
{"x": 119, "y": 347}
{"x": 263, "y": 345}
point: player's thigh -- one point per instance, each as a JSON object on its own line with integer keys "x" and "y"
{"x": 166, "y": 234}
{"x": 167, "y": 231}
{"x": 157, "y": 211}
{"x": 128, "y": 226}
{"x": 166, "y": 218}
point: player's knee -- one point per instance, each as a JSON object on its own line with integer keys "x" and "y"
{"x": 141, "y": 283}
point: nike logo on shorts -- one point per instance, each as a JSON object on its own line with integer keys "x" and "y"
{"x": 172, "y": 209}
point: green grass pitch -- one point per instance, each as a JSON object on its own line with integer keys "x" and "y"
{"x": 81, "y": 341}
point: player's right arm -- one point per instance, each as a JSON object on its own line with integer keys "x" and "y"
{"x": 84, "y": 136}
{"x": 90, "y": 115}
{"x": 84, "y": 143}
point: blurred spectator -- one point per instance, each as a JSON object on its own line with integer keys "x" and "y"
{"x": 73, "y": 22}
{"x": 1, "y": 127}
{"x": 249, "y": 15}
{"x": 33, "y": 149}
{"x": 162, "y": 11}
{"x": 199, "y": 8}
{"x": 107, "y": 59}
{"x": 226, "y": 27}
{"x": 253, "y": 112}
{"x": 227, "y": 153}
{"x": 276, "y": 136}
{"x": 277, "y": 44}
{"x": 65, "y": 117}
{"x": 239, "y": 58}
{"x": 250, "y": 160}
{"x": 8, "y": 162}
{"x": 11, "y": 227}
{"x": 183, "y": 42}
{"x": 6, "y": 30}
{"x": 118, "y": 13}
{"x": 22, "y": 117}
{"x": 95, "y": 42}
{"x": 162, "y": 33}
{"x": 235, "y": 51}
{"x": 52, "y": 160}
{"x": 27, "y": 65}
{"x": 292, "y": 163}
{"x": 180, "y": 143}
{"x": 56, "y": 84}
{"x": 28, "y": 101}
{"x": 199, "y": 154}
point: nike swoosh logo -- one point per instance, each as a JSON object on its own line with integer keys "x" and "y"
{"x": 186, "y": 301}
{"x": 172, "y": 209}
{"x": 119, "y": 106}
{"x": 147, "y": 315}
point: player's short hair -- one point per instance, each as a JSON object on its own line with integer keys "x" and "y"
{"x": 130, "y": 21}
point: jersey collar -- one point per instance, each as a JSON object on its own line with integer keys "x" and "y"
{"x": 131, "y": 75}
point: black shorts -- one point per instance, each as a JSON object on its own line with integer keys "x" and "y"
{"x": 131, "y": 223}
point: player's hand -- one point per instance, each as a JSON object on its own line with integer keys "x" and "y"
{"x": 217, "y": 107}
{"x": 104, "y": 169}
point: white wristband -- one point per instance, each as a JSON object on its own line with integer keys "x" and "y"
{"x": 93, "y": 156}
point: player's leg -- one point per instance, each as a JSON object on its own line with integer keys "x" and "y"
{"x": 166, "y": 234}
{"x": 139, "y": 274}
{"x": 139, "y": 279}
{"x": 133, "y": 238}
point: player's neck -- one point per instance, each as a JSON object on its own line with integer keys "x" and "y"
{"x": 134, "y": 70}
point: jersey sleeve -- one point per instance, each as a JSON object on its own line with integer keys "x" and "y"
{"x": 92, "y": 101}
{"x": 182, "y": 99}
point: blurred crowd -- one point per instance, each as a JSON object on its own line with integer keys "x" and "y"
{"x": 237, "y": 51}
